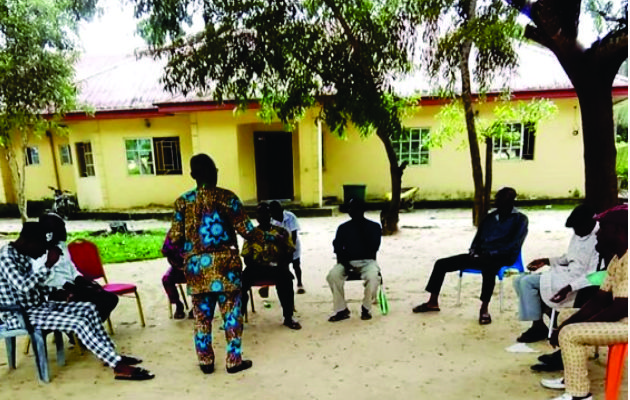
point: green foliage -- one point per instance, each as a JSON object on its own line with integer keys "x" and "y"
{"x": 620, "y": 111}
{"x": 451, "y": 121}
{"x": 291, "y": 55}
{"x": 125, "y": 247}
{"x": 622, "y": 164}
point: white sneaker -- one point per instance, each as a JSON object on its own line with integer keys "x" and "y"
{"x": 557, "y": 383}
{"x": 567, "y": 396}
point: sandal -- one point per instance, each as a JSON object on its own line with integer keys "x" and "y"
{"x": 424, "y": 307}
{"x": 135, "y": 374}
{"x": 485, "y": 318}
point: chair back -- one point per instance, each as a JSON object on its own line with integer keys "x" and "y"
{"x": 85, "y": 256}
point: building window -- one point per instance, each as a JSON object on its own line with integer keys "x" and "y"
{"x": 413, "y": 146}
{"x": 65, "y": 154}
{"x": 85, "y": 159}
{"x": 31, "y": 156}
{"x": 168, "y": 159}
{"x": 159, "y": 156}
{"x": 517, "y": 144}
{"x": 139, "y": 156}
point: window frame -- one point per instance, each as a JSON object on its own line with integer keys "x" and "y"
{"x": 86, "y": 167}
{"x": 137, "y": 150}
{"x": 62, "y": 154}
{"x": 31, "y": 156}
{"x": 158, "y": 167}
{"x": 411, "y": 149}
{"x": 526, "y": 143}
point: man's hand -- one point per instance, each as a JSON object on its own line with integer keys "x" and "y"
{"x": 537, "y": 263}
{"x": 53, "y": 256}
{"x": 562, "y": 294}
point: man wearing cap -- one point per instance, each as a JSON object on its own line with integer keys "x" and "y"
{"x": 557, "y": 286}
{"x": 603, "y": 320}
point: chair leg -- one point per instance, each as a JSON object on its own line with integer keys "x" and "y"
{"x": 500, "y": 295}
{"x": 140, "y": 309}
{"x": 78, "y": 343}
{"x": 183, "y": 294}
{"x": 110, "y": 326}
{"x": 170, "y": 310}
{"x": 61, "y": 355}
{"x": 614, "y": 369}
{"x": 10, "y": 344}
{"x": 27, "y": 345}
{"x": 41, "y": 356}
{"x": 251, "y": 300}
{"x": 552, "y": 321}
{"x": 459, "y": 290}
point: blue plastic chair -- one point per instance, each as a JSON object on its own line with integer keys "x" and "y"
{"x": 38, "y": 337}
{"x": 518, "y": 265}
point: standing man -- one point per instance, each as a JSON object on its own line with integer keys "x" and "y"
{"x": 289, "y": 221}
{"x": 497, "y": 243}
{"x": 356, "y": 244}
{"x": 557, "y": 287}
{"x": 267, "y": 257}
{"x": 604, "y": 319}
{"x": 22, "y": 284}
{"x": 204, "y": 224}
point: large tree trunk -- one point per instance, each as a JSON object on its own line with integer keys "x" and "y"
{"x": 487, "y": 192}
{"x": 600, "y": 154}
{"x": 389, "y": 216}
{"x": 17, "y": 170}
{"x": 473, "y": 144}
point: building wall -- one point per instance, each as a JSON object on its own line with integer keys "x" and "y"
{"x": 557, "y": 158}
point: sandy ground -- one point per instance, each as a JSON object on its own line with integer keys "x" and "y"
{"x": 446, "y": 355}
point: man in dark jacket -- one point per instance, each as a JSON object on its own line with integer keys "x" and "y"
{"x": 497, "y": 243}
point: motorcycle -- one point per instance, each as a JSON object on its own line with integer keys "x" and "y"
{"x": 65, "y": 203}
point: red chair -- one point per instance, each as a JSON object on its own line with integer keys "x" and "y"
{"x": 85, "y": 256}
{"x": 614, "y": 369}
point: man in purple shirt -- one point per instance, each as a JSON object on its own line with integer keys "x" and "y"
{"x": 497, "y": 243}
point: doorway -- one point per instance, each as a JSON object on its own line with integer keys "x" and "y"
{"x": 273, "y": 152}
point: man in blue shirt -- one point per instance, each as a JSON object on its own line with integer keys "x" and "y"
{"x": 356, "y": 244}
{"x": 497, "y": 243}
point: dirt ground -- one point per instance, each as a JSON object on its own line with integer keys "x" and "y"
{"x": 402, "y": 355}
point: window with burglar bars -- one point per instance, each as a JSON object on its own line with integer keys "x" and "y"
{"x": 85, "y": 159}
{"x": 31, "y": 156}
{"x": 64, "y": 154}
{"x": 517, "y": 144}
{"x": 413, "y": 146}
{"x": 157, "y": 156}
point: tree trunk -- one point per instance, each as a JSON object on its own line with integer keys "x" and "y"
{"x": 17, "y": 170}
{"x": 487, "y": 192}
{"x": 473, "y": 144}
{"x": 389, "y": 215}
{"x": 600, "y": 154}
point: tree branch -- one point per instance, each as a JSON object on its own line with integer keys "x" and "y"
{"x": 611, "y": 51}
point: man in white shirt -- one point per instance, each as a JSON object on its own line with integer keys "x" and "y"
{"x": 288, "y": 220}
{"x": 557, "y": 286}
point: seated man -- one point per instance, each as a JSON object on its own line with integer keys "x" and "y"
{"x": 175, "y": 274}
{"x": 267, "y": 257}
{"x": 22, "y": 284}
{"x": 604, "y": 319}
{"x": 356, "y": 243}
{"x": 64, "y": 279}
{"x": 558, "y": 286}
{"x": 288, "y": 220}
{"x": 497, "y": 243}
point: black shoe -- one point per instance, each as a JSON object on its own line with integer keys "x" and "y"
{"x": 542, "y": 367}
{"x": 190, "y": 314}
{"x": 551, "y": 358}
{"x": 207, "y": 369}
{"x": 292, "y": 324}
{"x": 365, "y": 314}
{"x": 245, "y": 364}
{"x": 179, "y": 312}
{"x": 532, "y": 335}
{"x": 340, "y": 316}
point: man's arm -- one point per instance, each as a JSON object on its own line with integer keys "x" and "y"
{"x": 22, "y": 282}
{"x": 177, "y": 234}
{"x": 514, "y": 242}
{"x": 339, "y": 246}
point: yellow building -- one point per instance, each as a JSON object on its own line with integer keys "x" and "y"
{"x": 134, "y": 150}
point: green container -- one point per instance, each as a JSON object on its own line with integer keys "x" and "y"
{"x": 353, "y": 192}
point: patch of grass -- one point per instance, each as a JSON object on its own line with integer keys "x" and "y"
{"x": 125, "y": 247}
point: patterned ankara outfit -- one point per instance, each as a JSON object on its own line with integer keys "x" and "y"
{"x": 269, "y": 252}
{"x": 22, "y": 285}
{"x": 576, "y": 339}
{"x": 204, "y": 225}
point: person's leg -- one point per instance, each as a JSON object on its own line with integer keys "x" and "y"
{"x": 298, "y": 274}
{"x": 284, "y": 286}
{"x": 203, "y": 306}
{"x": 369, "y": 274}
{"x": 230, "y": 306}
{"x": 169, "y": 281}
{"x": 530, "y": 308}
{"x": 489, "y": 266}
{"x": 336, "y": 279}
{"x": 441, "y": 267}
{"x": 575, "y": 341}
{"x": 92, "y": 292}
